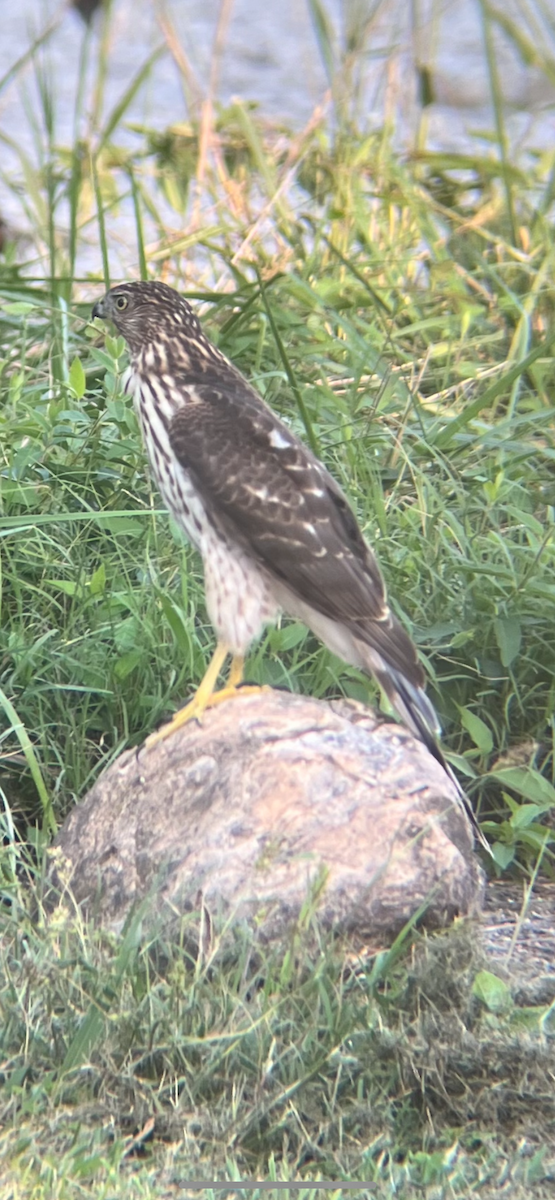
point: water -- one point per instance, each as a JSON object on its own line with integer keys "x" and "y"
{"x": 270, "y": 55}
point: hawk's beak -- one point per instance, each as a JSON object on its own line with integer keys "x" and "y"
{"x": 98, "y": 310}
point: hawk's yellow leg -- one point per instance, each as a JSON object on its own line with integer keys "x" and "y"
{"x": 205, "y": 695}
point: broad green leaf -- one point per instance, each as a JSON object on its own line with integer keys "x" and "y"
{"x": 115, "y": 525}
{"x": 290, "y": 636}
{"x": 526, "y": 814}
{"x": 478, "y": 730}
{"x": 99, "y": 356}
{"x": 175, "y": 620}
{"x": 127, "y": 663}
{"x": 68, "y": 586}
{"x": 19, "y": 308}
{"x": 528, "y": 783}
{"x": 503, "y": 855}
{"x": 77, "y": 378}
{"x": 127, "y": 634}
{"x": 97, "y": 583}
{"x": 492, "y": 991}
{"x": 115, "y": 346}
{"x": 509, "y": 636}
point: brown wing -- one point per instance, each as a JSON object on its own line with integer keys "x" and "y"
{"x": 267, "y": 491}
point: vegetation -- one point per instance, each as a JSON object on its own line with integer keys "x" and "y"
{"x": 132, "y": 1070}
{"x": 398, "y": 311}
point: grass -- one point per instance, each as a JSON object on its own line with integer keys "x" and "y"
{"x": 398, "y": 311}
{"x": 130, "y": 1068}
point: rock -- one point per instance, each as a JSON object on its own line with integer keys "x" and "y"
{"x": 271, "y": 796}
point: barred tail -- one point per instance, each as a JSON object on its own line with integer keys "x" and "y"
{"x": 416, "y": 710}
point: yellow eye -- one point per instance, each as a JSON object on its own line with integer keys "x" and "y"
{"x": 121, "y": 302}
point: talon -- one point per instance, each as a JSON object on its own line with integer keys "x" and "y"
{"x": 190, "y": 712}
{"x": 206, "y": 697}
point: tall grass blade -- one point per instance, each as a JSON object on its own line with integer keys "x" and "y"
{"x": 129, "y": 94}
{"x": 101, "y": 223}
{"x": 498, "y": 106}
{"x": 94, "y": 1021}
{"x": 499, "y": 388}
{"x": 288, "y": 369}
{"x": 49, "y": 821}
{"x": 143, "y": 268}
{"x": 29, "y": 54}
{"x": 325, "y": 38}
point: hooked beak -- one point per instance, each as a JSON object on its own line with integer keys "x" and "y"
{"x": 98, "y": 309}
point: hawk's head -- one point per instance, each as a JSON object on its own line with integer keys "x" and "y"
{"x": 144, "y": 313}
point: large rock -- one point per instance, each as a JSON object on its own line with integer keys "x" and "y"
{"x": 271, "y": 796}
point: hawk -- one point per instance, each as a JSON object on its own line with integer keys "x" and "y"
{"x": 274, "y": 529}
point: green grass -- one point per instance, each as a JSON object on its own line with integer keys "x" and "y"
{"x": 130, "y": 1068}
{"x": 425, "y": 390}
{"x": 398, "y": 311}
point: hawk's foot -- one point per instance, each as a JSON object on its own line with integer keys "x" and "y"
{"x": 206, "y": 697}
{"x": 198, "y": 705}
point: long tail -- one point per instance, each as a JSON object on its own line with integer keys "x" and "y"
{"x": 412, "y": 705}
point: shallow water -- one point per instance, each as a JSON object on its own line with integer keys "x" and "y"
{"x": 270, "y": 55}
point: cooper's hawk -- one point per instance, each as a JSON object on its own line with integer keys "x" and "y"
{"x": 274, "y": 529}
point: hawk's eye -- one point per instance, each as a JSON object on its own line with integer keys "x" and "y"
{"x": 121, "y": 302}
